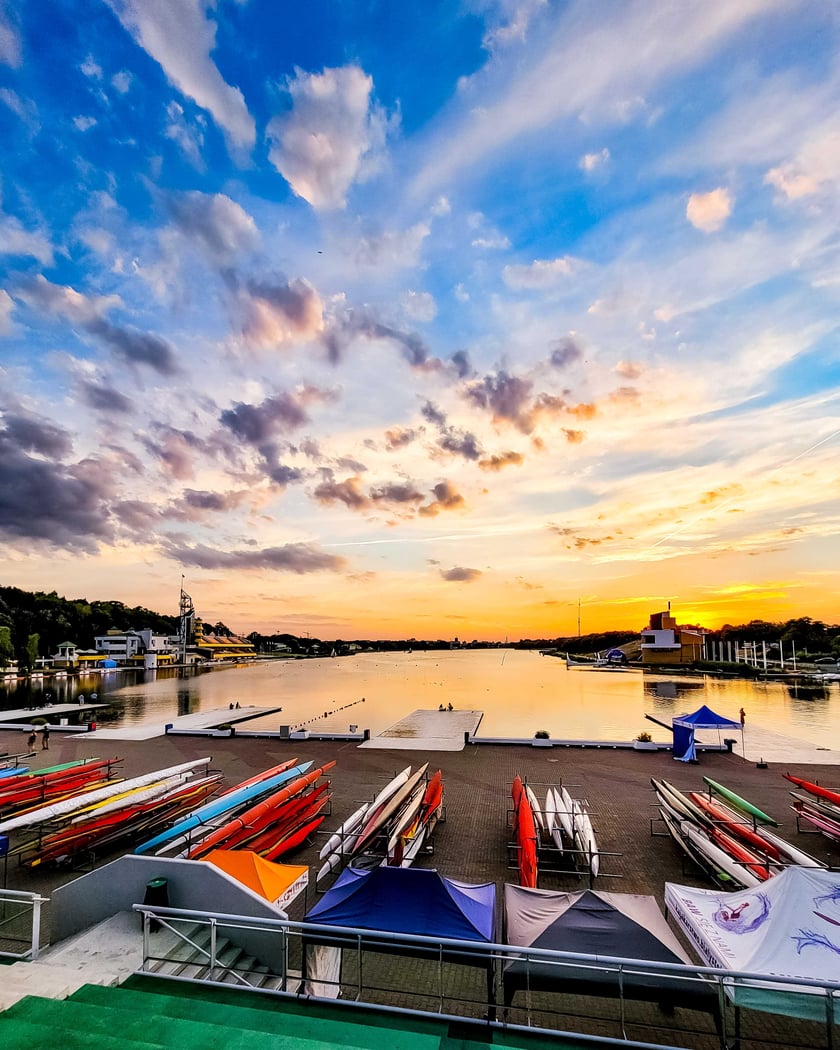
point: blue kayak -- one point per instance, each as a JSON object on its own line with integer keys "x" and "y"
{"x": 217, "y": 807}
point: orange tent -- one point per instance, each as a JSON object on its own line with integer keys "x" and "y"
{"x": 278, "y": 883}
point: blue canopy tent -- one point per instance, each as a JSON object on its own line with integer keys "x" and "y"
{"x": 391, "y": 901}
{"x": 685, "y": 725}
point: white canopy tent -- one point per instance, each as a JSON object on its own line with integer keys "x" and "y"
{"x": 788, "y": 927}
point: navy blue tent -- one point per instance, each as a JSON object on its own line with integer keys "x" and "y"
{"x": 685, "y": 725}
{"x": 408, "y": 900}
{"x": 589, "y": 922}
{"x": 388, "y": 900}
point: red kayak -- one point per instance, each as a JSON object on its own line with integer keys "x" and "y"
{"x": 268, "y": 805}
{"x": 740, "y": 853}
{"x": 287, "y": 825}
{"x": 295, "y": 839}
{"x": 110, "y": 827}
{"x": 291, "y": 813}
{"x": 266, "y": 773}
{"x": 815, "y": 789}
{"x": 735, "y": 827}
{"x": 526, "y": 837}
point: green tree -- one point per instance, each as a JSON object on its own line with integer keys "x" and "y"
{"x": 7, "y": 651}
{"x": 32, "y": 643}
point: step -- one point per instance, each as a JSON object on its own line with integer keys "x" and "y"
{"x": 276, "y": 1018}
{"x": 142, "y": 1022}
{"x": 36, "y": 1035}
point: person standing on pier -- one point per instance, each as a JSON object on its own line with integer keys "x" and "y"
{"x": 45, "y": 737}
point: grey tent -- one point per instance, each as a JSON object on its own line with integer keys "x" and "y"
{"x": 608, "y": 925}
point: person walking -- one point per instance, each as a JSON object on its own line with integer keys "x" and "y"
{"x": 30, "y": 740}
{"x": 45, "y": 737}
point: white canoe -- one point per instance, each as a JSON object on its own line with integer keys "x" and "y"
{"x": 539, "y": 816}
{"x": 566, "y": 812}
{"x": 555, "y": 828}
{"x": 337, "y": 838}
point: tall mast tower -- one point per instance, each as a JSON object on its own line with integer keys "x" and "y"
{"x": 186, "y": 620}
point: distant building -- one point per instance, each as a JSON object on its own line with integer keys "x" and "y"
{"x": 137, "y": 648}
{"x": 209, "y": 646}
{"x": 69, "y": 656}
{"x": 665, "y": 642}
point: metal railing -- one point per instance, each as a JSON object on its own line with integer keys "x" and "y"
{"x": 516, "y": 988}
{"x": 20, "y": 924}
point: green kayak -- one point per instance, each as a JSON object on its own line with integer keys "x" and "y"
{"x": 740, "y": 803}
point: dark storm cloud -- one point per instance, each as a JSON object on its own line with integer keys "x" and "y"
{"x": 104, "y": 398}
{"x": 347, "y": 492}
{"x": 499, "y": 461}
{"x": 136, "y": 516}
{"x": 35, "y": 434}
{"x": 200, "y": 499}
{"x": 461, "y": 361}
{"x": 213, "y": 220}
{"x": 432, "y": 414}
{"x": 460, "y": 443}
{"x": 300, "y": 558}
{"x": 176, "y": 449}
{"x": 565, "y": 353}
{"x": 283, "y": 475}
{"x": 136, "y": 347}
{"x": 396, "y": 492}
{"x": 447, "y": 497}
{"x": 458, "y": 574}
{"x": 257, "y": 424}
{"x": 361, "y": 322}
{"x": 64, "y": 506}
{"x": 506, "y": 397}
{"x": 399, "y": 437}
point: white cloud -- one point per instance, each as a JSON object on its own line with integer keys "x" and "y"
{"x": 181, "y": 38}
{"x": 84, "y": 123}
{"x": 441, "y": 207}
{"x": 6, "y": 306}
{"x": 591, "y": 161}
{"x": 511, "y": 21}
{"x": 709, "y": 211}
{"x": 23, "y": 108}
{"x": 487, "y": 236}
{"x": 461, "y": 293}
{"x": 16, "y": 240}
{"x": 64, "y": 301}
{"x": 816, "y": 165}
{"x": 121, "y": 81}
{"x": 91, "y": 68}
{"x": 581, "y": 67}
{"x": 10, "y": 44}
{"x": 189, "y": 137}
{"x": 419, "y": 306}
{"x": 333, "y": 136}
{"x": 392, "y": 248}
{"x": 541, "y": 273}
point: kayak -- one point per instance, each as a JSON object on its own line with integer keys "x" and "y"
{"x": 293, "y": 815}
{"x": 555, "y": 828}
{"x": 734, "y": 826}
{"x": 815, "y": 789}
{"x": 237, "y": 797}
{"x": 585, "y": 841}
{"x": 389, "y": 806}
{"x": 740, "y": 803}
{"x": 526, "y": 838}
{"x": 295, "y": 839}
{"x": 266, "y": 806}
{"x": 539, "y": 819}
{"x": 337, "y": 838}
{"x": 77, "y": 802}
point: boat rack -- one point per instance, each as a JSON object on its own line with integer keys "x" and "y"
{"x": 550, "y": 859}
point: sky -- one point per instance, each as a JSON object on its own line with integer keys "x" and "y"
{"x": 422, "y": 320}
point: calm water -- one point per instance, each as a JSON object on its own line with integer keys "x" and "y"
{"x": 519, "y": 693}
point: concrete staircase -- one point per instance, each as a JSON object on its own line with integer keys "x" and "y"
{"x": 187, "y": 957}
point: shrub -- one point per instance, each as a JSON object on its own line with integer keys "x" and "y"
{"x": 644, "y": 737}
{"x": 542, "y": 734}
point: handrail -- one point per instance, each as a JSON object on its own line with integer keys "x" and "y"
{"x": 35, "y": 900}
{"x": 722, "y": 984}
{"x": 460, "y": 946}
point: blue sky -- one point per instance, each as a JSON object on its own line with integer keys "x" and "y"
{"x": 429, "y": 320}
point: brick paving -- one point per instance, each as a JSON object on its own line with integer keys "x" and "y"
{"x": 472, "y": 843}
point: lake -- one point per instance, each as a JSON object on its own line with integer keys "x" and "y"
{"x": 519, "y": 692}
